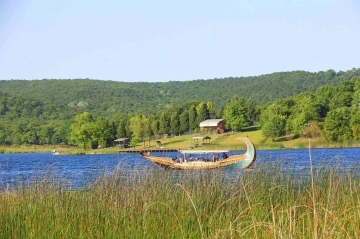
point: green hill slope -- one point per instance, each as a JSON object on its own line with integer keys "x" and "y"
{"x": 106, "y": 97}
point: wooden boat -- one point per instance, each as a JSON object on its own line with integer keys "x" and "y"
{"x": 233, "y": 161}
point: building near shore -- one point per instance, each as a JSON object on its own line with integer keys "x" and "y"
{"x": 213, "y": 125}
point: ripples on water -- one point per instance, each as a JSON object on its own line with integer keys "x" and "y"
{"x": 78, "y": 171}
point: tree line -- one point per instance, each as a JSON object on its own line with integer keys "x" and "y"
{"x": 330, "y": 111}
{"x": 89, "y": 132}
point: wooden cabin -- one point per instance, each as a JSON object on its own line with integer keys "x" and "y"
{"x": 211, "y": 125}
{"x": 122, "y": 142}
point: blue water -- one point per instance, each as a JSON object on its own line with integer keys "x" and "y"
{"x": 81, "y": 170}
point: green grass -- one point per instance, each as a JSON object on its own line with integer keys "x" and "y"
{"x": 265, "y": 202}
{"x": 255, "y": 135}
{"x": 185, "y": 141}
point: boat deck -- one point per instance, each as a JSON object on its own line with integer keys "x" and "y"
{"x": 133, "y": 151}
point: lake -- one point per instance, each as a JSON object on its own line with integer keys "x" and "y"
{"x": 81, "y": 170}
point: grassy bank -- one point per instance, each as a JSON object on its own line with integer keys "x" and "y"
{"x": 62, "y": 149}
{"x": 228, "y": 141}
{"x": 265, "y": 202}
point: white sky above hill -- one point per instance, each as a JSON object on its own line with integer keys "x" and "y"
{"x": 160, "y": 40}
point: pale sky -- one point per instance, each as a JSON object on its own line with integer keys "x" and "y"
{"x": 164, "y": 40}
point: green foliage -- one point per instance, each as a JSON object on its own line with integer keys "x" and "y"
{"x": 147, "y": 127}
{"x": 202, "y": 113}
{"x": 175, "y": 123}
{"x": 250, "y": 110}
{"x": 324, "y": 94}
{"x": 137, "y": 126}
{"x": 164, "y": 123}
{"x": 273, "y": 119}
{"x": 211, "y": 108}
{"x": 184, "y": 121}
{"x": 337, "y": 125}
{"x": 304, "y": 110}
{"x": 134, "y": 141}
{"x": 355, "y": 123}
{"x": 193, "y": 124}
{"x": 102, "y": 132}
{"x": 155, "y": 127}
{"x": 82, "y": 130}
{"x": 41, "y": 111}
{"x": 109, "y": 97}
{"x": 122, "y": 126}
{"x": 235, "y": 114}
{"x": 356, "y": 95}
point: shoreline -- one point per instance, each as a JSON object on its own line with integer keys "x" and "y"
{"x": 68, "y": 150}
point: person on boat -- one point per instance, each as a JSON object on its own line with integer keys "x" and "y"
{"x": 224, "y": 155}
{"x": 178, "y": 159}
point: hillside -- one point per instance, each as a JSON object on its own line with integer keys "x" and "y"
{"x": 107, "y": 97}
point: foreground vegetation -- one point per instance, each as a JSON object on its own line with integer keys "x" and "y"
{"x": 266, "y": 202}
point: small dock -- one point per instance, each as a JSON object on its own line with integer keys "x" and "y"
{"x": 134, "y": 151}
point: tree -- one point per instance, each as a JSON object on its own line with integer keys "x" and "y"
{"x": 122, "y": 129}
{"x": 62, "y": 132}
{"x": 202, "y": 113}
{"x": 355, "y": 123}
{"x": 235, "y": 114}
{"x": 134, "y": 141}
{"x": 137, "y": 126}
{"x": 155, "y": 127}
{"x": 81, "y": 130}
{"x": 323, "y": 96}
{"x": 175, "y": 123}
{"x": 46, "y": 134}
{"x": 192, "y": 118}
{"x": 147, "y": 128}
{"x": 312, "y": 130}
{"x": 102, "y": 132}
{"x": 250, "y": 110}
{"x": 164, "y": 123}
{"x": 211, "y": 109}
{"x": 220, "y": 113}
{"x": 273, "y": 120}
{"x": 275, "y": 127}
{"x": 343, "y": 95}
{"x": 337, "y": 125}
{"x": 304, "y": 110}
{"x": 356, "y": 95}
{"x": 184, "y": 121}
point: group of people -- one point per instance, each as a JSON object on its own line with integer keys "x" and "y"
{"x": 182, "y": 159}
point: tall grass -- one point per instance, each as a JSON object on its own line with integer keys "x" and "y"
{"x": 266, "y": 202}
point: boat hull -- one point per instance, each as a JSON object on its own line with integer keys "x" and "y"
{"x": 234, "y": 161}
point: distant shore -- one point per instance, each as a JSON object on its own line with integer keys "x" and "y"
{"x": 185, "y": 142}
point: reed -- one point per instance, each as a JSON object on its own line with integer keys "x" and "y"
{"x": 265, "y": 202}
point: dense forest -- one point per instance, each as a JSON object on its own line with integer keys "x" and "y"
{"x": 107, "y": 97}
{"x": 88, "y": 113}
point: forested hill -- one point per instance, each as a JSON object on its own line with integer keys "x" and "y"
{"x": 102, "y": 97}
